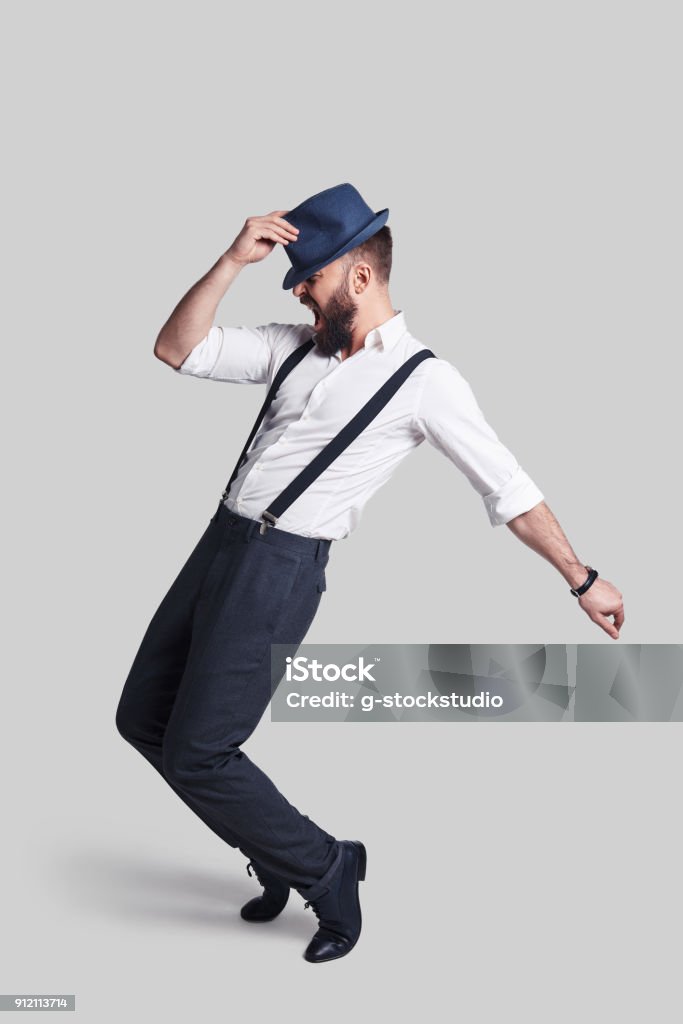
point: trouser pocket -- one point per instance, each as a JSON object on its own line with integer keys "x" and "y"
{"x": 250, "y": 598}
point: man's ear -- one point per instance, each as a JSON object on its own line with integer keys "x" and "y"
{"x": 362, "y": 275}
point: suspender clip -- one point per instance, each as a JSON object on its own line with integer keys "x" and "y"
{"x": 270, "y": 521}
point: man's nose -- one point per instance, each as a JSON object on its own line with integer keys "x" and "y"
{"x": 298, "y": 289}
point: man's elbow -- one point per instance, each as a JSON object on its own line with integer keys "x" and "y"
{"x": 167, "y": 355}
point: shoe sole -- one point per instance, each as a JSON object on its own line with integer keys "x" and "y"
{"x": 261, "y": 920}
{"x": 360, "y": 877}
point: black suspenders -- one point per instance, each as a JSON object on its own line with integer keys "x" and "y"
{"x": 334, "y": 447}
{"x": 292, "y": 360}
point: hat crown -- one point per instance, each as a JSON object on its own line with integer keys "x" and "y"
{"x": 330, "y": 222}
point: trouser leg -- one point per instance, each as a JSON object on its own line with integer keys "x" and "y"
{"x": 201, "y": 682}
{"x": 150, "y": 690}
{"x": 256, "y": 594}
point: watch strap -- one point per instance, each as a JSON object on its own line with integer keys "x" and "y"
{"x": 590, "y": 580}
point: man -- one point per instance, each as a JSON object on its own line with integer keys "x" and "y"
{"x": 349, "y": 397}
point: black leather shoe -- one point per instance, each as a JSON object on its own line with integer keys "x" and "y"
{"x": 337, "y": 906}
{"x": 273, "y": 899}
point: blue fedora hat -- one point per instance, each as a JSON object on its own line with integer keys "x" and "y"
{"x": 330, "y": 223}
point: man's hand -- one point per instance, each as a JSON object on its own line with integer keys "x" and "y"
{"x": 601, "y": 600}
{"x": 258, "y": 237}
{"x": 192, "y": 318}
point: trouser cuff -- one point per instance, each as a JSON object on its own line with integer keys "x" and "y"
{"x": 311, "y": 892}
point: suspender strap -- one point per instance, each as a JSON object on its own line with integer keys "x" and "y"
{"x": 292, "y": 360}
{"x": 343, "y": 439}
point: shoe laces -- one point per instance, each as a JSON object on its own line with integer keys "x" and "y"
{"x": 314, "y": 904}
{"x": 251, "y": 864}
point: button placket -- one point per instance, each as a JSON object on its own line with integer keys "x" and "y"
{"x": 316, "y": 398}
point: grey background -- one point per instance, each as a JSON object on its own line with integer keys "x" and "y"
{"x": 531, "y": 159}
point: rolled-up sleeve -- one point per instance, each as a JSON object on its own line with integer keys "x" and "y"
{"x": 449, "y": 417}
{"x": 241, "y": 355}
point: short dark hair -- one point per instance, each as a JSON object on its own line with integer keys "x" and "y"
{"x": 376, "y": 251}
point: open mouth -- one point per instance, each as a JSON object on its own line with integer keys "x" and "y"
{"x": 317, "y": 315}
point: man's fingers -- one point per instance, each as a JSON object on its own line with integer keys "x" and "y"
{"x": 276, "y": 218}
{"x": 276, "y": 223}
{"x": 285, "y": 224}
{"x": 605, "y": 624}
{"x": 275, "y": 234}
{"x": 287, "y": 230}
{"x": 619, "y": 617}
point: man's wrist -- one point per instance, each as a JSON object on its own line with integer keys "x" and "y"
{"x": 576, "y": 574}
{"x": 580, "y": 588}
{"x": 227, "y": 259}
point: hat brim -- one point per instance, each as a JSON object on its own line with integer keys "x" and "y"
{"x": 294, "y": 276}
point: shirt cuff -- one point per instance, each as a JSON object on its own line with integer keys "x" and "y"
{"x": 202, "y": 358}
{"x": 517, "y": 495}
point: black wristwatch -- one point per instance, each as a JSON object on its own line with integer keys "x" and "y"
{"x": 592, "y": 577}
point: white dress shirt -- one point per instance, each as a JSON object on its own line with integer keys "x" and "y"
{"x": 319, "y": 397}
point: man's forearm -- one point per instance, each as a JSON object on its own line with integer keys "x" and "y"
{"x": 539, "y": 529}
{"x": 194, "y": 315}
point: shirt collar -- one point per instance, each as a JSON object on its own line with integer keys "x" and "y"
{"x": 386, "y": 335}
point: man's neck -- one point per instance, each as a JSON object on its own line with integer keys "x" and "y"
{"x": 361, "y": 332}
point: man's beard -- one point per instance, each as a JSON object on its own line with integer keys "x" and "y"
{"x": 340, "y": 317}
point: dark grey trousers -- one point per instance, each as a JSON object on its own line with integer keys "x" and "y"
{"x": 201, "y": 681}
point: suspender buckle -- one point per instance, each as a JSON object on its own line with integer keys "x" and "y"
{"x": 270, "y": 521}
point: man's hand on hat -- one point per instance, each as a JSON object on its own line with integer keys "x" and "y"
{"x": 601, "y": 600}
{"x": 259, "y": 236}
